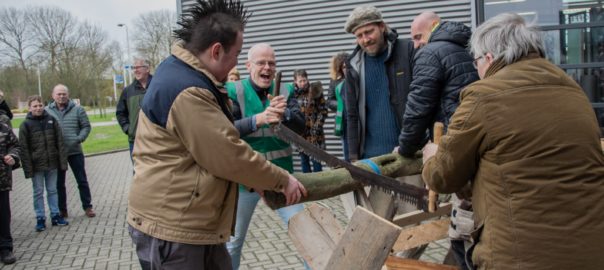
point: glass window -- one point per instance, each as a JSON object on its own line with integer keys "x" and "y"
{"x": 574, "y": 46}
{"x": 547, "y": 12}
{"x": 573, "y": 37}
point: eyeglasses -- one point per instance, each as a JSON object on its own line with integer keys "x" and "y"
{"x": 137, "y": 67}
{"x": 475, "y": 62}
{"x": 263, "y": 63}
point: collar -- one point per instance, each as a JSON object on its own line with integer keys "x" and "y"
{"x": 186, "y": 56}
{"x": 500, "y": 64}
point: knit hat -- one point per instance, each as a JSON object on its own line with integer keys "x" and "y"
{"x": 361, "y": 16}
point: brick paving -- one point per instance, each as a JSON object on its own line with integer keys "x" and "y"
{"x": 103, "y": 242}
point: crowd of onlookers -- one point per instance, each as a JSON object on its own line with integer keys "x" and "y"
{"x": 49, "y": 141}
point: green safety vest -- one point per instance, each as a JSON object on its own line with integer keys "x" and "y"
{"x": 262, "y": 140}
{"x": 339, "y": 110}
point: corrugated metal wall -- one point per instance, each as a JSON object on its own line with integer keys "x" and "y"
{"x": 306, "y": 34}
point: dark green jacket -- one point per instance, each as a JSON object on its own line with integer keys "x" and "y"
{"x": 128, "y": 107}
{"x": 74, "y": 123}
{"x": 9, "y": 145}
{"x": 41, "y": 144}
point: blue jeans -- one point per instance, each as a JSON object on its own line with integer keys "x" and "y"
{"x": 76, "y": 163}
{"x": 48, "y": 179}
{"x": 305, "y": 163}
{"x": 245, "y": 209}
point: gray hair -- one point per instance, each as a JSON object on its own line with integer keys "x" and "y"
{"x": 144, "y": 60}
{"x": 61, "y": 86}
{"x": 256, "y": 47}
{"x": 507, "y": 37}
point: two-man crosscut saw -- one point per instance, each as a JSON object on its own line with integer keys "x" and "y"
{"x": 412, "y": 194}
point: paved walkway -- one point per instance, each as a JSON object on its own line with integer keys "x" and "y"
{"x": 103, "y": 242}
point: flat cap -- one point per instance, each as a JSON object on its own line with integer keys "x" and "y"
{"x": 361, "y": 16}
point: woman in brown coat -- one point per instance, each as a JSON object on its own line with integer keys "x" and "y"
{"x": 526, "y": 138}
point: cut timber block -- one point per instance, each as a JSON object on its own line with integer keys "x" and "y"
{"x": 365, "y": 244}
{"x": 396, "y": 263}
{"x": 422, "y": 234}
{"x": 416, "y": 217}
{"x": 315, "y": 233}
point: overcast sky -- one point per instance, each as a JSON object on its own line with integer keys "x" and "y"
{"x": 105, "y": 13}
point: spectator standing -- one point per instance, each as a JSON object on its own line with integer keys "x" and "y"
{"x": 10, "y": 151}
{"x": 42, "y": 156}
{"x": 336, "y": 96}
{"x": 130, "y": 100}
{"x": 315, "y": 112}
{"x": 234, "y": 75}
{"x": 76, "y": 128}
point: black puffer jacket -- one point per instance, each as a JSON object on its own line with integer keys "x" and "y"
{"x": 42, "y": 144}
{"x": 441, "y": 69}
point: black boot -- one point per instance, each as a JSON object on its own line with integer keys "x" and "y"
{"x": 7, "y": 256}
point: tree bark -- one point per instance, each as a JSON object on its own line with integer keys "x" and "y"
{"x": 327, "y": 184}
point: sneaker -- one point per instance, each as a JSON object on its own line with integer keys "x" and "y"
{"x": 90, "y": 213}
{"x": 58, "y": 220}
{"x": 7, "y": 256}
{"x": 40, "y": 224}
{"x": 64, "y": 213}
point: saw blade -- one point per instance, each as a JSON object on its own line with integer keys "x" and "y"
{"x": 410, "y": 193}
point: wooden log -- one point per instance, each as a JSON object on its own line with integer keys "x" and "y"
{"x": 365, "y": 244}
{"x": 396, "y": 263}
{"x": 327, "y": 184}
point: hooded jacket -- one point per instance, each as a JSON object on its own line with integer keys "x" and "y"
{"x": 441, "y": 69}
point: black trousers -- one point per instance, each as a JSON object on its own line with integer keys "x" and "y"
{"x": 76, "y": 163}
{"x": 6, "y": 240}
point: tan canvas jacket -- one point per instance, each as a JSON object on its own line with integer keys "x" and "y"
{"x": 527, "y": 138}
{"x": 185, "y": 186}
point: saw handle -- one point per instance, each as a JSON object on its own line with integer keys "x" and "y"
{"x": 432, "y": 195}
{"x": 277, "y": 89}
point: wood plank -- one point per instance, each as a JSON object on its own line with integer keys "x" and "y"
{"x": 422, "y": 234}
{"x": 315, "y": 233}
{"x": 366, "y": 243}
{"x": 418, "y": 216}
{"x": 396, "y": 263}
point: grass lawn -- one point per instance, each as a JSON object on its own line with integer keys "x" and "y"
{"x": 95, "y": 118}
{"x": 105, "y": 138}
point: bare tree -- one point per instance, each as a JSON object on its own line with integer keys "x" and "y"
{"x": 16, "y": 41}
{"x": 153, "y": 35}
{"x": 54, "y": 29}
{"x": 65, "y": 49}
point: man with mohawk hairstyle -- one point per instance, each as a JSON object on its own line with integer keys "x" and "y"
{"x": 182, "y": 199}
